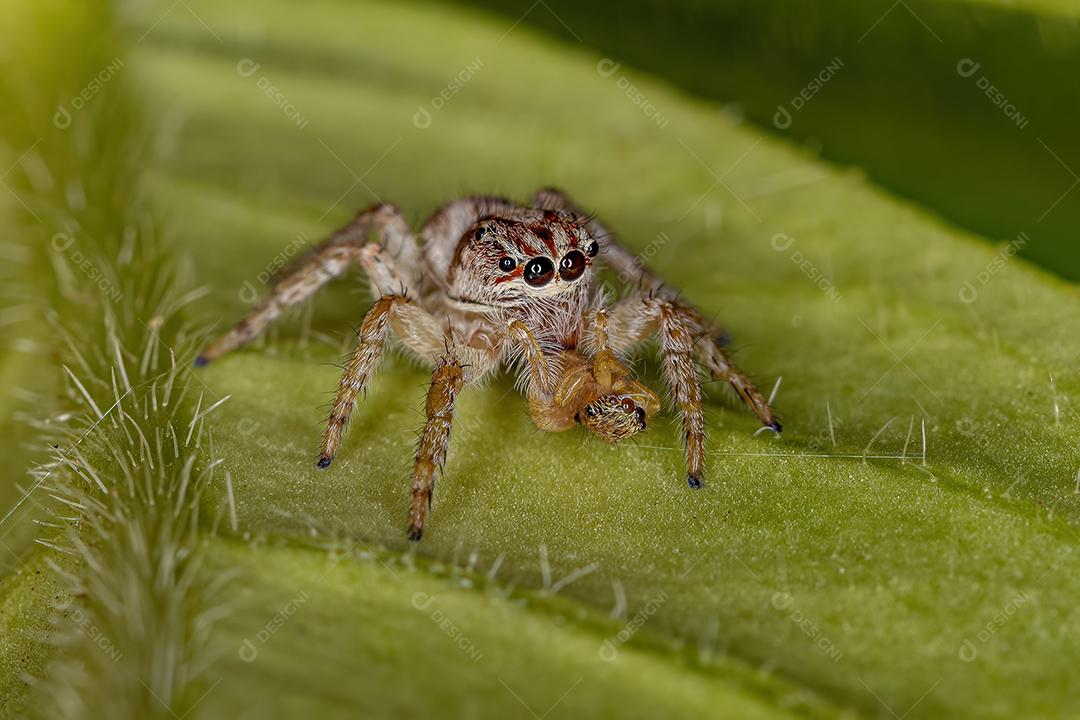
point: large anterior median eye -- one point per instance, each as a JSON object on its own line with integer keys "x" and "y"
{"x": 572, "y": 265}
{"x": 539, "y": 271}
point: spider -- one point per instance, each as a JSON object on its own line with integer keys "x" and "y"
{"x": 491, "y": 283}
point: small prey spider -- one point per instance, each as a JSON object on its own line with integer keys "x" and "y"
{"x": 493, "y": 283}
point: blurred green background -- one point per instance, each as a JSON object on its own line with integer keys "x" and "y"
{"x": 906, "y": 550}
{"x": 963, "y": 107}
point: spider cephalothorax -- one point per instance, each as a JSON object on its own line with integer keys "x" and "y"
{"x": 510, "y": 285}
{"x": 518, "y": 260}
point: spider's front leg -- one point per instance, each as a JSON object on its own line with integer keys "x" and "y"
{"x": 418, "y": 330}
{"x": 718, "y": 363}
{"x": 683, "y": 333}
{"x": 454, "y": 367}
{"x": 434, "y": 440}
{"x": 457, "y": 367}
{"x": 326, "y": 261}
{"x": 677, "y": 347}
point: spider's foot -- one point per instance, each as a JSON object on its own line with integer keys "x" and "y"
{"x": 693, "y": 481}
{"x": 415, "y": 533}
{"x": 775, "y": 426}
{"x": 201, "y": 361}
{"x": 324, "y": 462}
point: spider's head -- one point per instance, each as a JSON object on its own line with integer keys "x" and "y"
{"x": 618, "y": 416}
{"x": 539, "y": 254}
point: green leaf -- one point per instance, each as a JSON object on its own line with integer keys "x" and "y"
{"x": 371, "y": 636}
{"x": 25, "y": 597}
{"x": 906, "y": 547}
{"x": 889, "y": 562}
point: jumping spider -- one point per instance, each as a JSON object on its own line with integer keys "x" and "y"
{"x": 493, "y": 283}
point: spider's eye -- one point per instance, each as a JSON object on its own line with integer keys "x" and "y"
{"x": 590, "y": 411}
{"x": 539, "y": 271}
{"x": 572, "y": 265}
{"x": 592, "y": 249}
{"x": 628, "y": 405}
{"x": 507, "y": 264}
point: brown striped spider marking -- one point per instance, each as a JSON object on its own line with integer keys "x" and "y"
{"x": 508, "y": 285}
